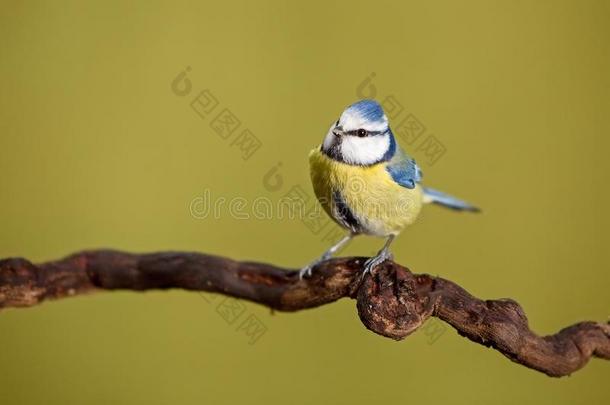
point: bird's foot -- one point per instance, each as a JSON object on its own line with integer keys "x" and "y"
{"x": 306, "y": 271}
{"x": 375, "y": 261}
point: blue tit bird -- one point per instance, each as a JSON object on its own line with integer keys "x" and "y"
{"x": 366, "y": 183}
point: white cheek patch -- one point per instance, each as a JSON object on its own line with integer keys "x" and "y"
{"x": 364, "y": 151}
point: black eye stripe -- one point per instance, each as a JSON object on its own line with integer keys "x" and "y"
{"x": 368, "y": 133}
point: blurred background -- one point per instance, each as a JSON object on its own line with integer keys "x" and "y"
{"x": 116, "y": 119}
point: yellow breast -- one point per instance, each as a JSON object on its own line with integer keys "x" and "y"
{"x": 379, "y": 205}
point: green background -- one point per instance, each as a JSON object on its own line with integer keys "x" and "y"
{"x": 97, "y": 151}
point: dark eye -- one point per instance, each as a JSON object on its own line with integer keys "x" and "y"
{"x": 362, "y": 133}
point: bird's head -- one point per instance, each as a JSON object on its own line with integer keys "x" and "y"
{"x": 361, "y": 136}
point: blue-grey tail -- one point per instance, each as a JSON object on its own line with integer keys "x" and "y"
{"x": 446, "y": 200}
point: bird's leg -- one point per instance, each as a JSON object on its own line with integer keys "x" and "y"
{"x": 383, "y": 255}
{"x": 306, "y": 271}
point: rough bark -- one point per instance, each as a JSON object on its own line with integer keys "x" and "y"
{"x": 392, "y": 302}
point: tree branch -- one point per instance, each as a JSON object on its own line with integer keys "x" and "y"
{"x": 392, "y": 302}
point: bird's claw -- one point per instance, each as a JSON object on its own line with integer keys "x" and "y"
{"x": 305, "y": 272}
{"x": 375, "y": 261}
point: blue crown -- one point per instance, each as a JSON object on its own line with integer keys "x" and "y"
{"x": 368, "y": 109}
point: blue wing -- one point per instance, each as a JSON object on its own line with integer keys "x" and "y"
{"x": 404, "y": 170}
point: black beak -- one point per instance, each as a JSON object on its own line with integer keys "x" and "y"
{"x": 338, "y": 131}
